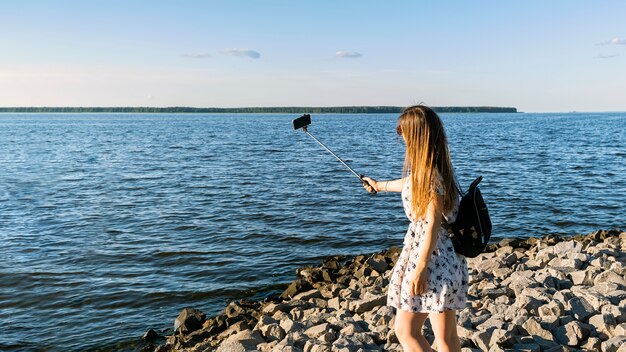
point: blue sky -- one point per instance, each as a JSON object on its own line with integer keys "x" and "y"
{"x": 534, "y": 55}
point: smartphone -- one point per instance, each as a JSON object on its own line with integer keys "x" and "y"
{"x": 302, "y": 121}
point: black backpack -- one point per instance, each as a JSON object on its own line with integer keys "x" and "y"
{"x": 471, "y": 230}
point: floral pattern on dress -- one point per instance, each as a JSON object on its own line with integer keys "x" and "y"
{"x": 448, "y": 275}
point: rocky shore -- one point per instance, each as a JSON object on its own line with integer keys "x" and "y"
{"x": 536, "y": 294}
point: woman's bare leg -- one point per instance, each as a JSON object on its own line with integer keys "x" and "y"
{"x": 444, "y": 327}
{"x": 408, "y": 328}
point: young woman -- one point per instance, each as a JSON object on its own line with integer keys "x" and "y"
{"x": 429, "y": 279}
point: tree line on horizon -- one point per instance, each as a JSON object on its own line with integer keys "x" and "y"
{"x": 256, "y": 110}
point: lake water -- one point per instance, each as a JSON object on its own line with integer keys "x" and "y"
{"x": 110, "y": 224}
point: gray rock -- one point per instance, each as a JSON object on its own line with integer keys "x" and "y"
{"x": 583, "y": 257}
{"x": 501, "y": 338}
{"x": 563, "y": 296}
{"x": 367, "y": 304}
{"x": 273, "y": 332}
{"x": 517, "y": 322}
{"x": 544, "y": 255}
{"x": 619, "y": 268}
{"x": 562, "y": 249}
{"x": 308, "y": 346}
{"x": 235, "y": 346}
{"x": 316, "y": 346}
{"x": 572, "y": 333}
{"x": 592, "y": 344}
{"x": 378, "y": 263}
{"x": 512, "y": 259}
{"x": 490, "y": 265}
{"x": 529, "y": 303}
{"x": 477, "y": 320}
{"x": 606, "y": 288}
{"x": 150, "y": 335}
{"x": 547, "y": 280}
{"x": 290, "y": 326}
{"x": 357, "y": 342}
{"x": 494, "y": 293}
{"x": 297, "y": 314}
{"x": 334, "y": 303}
{"x": 533, "y": 328}
{"x": 566, "y": 264}
{"x": 600, "y": 263}
{"x": 314, "y": 293}
{"x": 615, "y": 312}
{"x": 348, "y": 293}
{"x": 362, "y": 272}
{"x": 610, "y": 276}
{"x": 580, "y": 308}
{"x": 310, "y": 274}
{"x": 592, "y": 296}
{"x": 495, "y": 321}
{"x": 330, "y": 291}
{"x": 481, "y": 339}
{"x": 603, "y": 323}
{"x": 317, "y": 330}
{"x": 613, "y": 344}
{"x": 246, "y": 339}
{"x": 234, "y": 309}
{"x": 266, "y": 346}
{"x": 465, "y": 332}
{"x": 502, "y": 272}
{"x": 583, "y": 277}
{"x": 271, "y": 308}
{"x": 550, "y": 322}
{"x": 552, "y": 308}
{"x": 189, "y": 320}
{"x": 545, "y": 344}
{"x": 265, "y": 320}
{"x": 296, "y": 286}
{"x": 620, "y": 330}
{"x": 504, "y": 250}
{"x": 234, "y": 329}
{"x": 279, "y": 348}
{"x": 540, "y": 293}
{"x": 327, "y": 337}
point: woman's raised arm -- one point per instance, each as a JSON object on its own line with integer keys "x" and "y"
{"x": 384, "y": 186}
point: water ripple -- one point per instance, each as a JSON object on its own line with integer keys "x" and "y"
{"x": 110, "y": 224}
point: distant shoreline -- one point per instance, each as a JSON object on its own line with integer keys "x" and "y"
{"x": 252, "y": 110}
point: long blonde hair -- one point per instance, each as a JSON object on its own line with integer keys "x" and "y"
{"x": 426, "y": 153}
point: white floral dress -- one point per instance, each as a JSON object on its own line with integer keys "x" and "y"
{"x": 448, "y": 276}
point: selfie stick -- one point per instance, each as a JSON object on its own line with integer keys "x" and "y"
{"x": 303, "y": 122}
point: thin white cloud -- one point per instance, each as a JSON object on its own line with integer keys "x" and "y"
{"x": 602, "y": 56}
{"x": 347, "y": 54}
{"x": 614, "y": 41}
{"x": 197, "y": 56}
{"x": 242, "y": 53}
